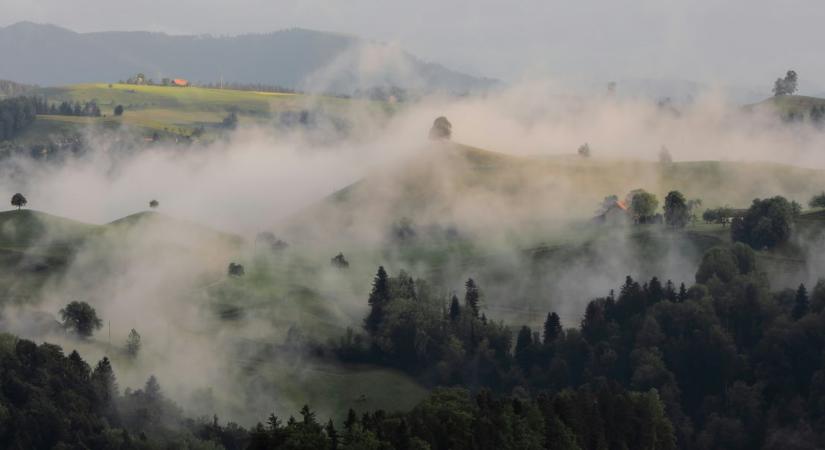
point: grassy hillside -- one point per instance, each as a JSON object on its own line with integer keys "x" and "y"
{"x": 170, "y": 110}
{"x": 784, "y": 105}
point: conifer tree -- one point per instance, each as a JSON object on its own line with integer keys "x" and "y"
{"x": 471, "y": 297}
{"x": 379, "y": 297}
{"x": 801, "y": 303}
{"x": 552, "y": 328}
{"x": 455, "y": 309}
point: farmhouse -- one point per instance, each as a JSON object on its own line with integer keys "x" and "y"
{"x": 615, "y": 214}
{"x": 180, "y": 82}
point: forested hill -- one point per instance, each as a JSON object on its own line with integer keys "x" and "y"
{"x": 50, "y": 55}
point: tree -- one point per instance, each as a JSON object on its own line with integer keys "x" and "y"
{"x": 766, "y": 224}
{"x": 235, "y": 270}
{"x": 133, "y": 343}
{"x": 80, "y": 318}
{"x": 455, "y": 309}
{"x": 104, "y": 382}
{"x": 471, "y": 296}
{"x": 552, "y": 328}
{"x": 643, "y": 205}
{"x": 584, "y": 150}
{"x": 379, "y": 297}
{"x": 442, "y": 129}
{"x": 801, "y": 304}
{"x": 339, "y": 261}
{"x": 817, "y": 201}
{"x": 231, "y": 121}
{"x": 118, "y": 110}
{"x": 154, "y": 204}
{"x": 677, "y": 213}
{"x": 664, "y": 156}
{"x": 18, "y": 200}
{"x": 785, "y": 86}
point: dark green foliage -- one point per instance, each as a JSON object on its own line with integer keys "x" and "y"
{"x": 118, "y": 111}
{"x": 766, "y": 224}
{"x": 230, "y": 122}
{"x": 80, "y": 318}
{"x": 677, "y": 213}
{"x": 379, "y": 297}
{"x": 471, "y": 297}
{"x": 339, "y": 261}
{"x": 442, "y": 129}
{"x": 817, "y": 201}
{"x": 235, "y": 270}
{"x": 643, "y": 205}
{"x": 18, "y": 200}
{"x": 16, "y": 114}
{"x": 133, "y": 343}
{"x": 801, "y": 303}
{"x": 552, "y": 328}
{"x": 153, "y": 204}
{"x": 787, "y": 85}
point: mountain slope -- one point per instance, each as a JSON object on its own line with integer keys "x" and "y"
{"x": 50, "y": 55}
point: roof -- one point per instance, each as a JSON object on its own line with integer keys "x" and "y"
{"x": 180, "y": 81}
{"x": 621, "y": 204}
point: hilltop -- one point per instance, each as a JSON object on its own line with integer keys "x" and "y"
{"x": 50, "y": 55}
{"x": 447, "y": 182}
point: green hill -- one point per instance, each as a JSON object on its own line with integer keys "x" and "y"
{"x": 785, "y": 105}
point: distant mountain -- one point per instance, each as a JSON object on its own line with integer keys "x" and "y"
{"x": 296, "y": 58}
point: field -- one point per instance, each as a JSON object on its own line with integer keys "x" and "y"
{"x": 173, "y": 111}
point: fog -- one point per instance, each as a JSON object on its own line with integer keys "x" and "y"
{"x": 518, "y": 221}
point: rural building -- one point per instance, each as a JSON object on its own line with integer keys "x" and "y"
{"x": 615, "y": 214}
{"x": 180, "y": 82}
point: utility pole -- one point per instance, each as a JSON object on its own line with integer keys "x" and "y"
{"x": 109, "y": 346}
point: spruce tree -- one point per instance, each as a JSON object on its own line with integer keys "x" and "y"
{"x": 455, "y": 309}
{"x": 471, "y": 297}
{"x": 379, "y": 297}
{"x": 683, "y": 295}
{"x": 801, "y": 303}
{"x": 552, "y": 328}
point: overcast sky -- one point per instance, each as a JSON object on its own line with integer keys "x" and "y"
{"x": 727, "y": 41}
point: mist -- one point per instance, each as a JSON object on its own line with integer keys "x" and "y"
{"x": 503, "y": 227}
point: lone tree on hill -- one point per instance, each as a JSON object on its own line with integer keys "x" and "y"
{"x": 80, "y": 318}
{"x": 235, "y": 270}
{"x": 785, "y": 86}
{"x": 154, "y": 204}
{"x": 442, "y": 129}
{"x": 339, "y": 261}
{"x": 18, "y": 200}
{"x": 584, "y": 150}
{"x": 118, "y": 110}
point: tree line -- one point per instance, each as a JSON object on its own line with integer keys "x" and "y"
{"x": 734, "y": 364}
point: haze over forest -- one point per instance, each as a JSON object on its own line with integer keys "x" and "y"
{"x": 436, "y": 227}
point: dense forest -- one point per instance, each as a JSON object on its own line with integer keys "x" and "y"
{"x": 724, "y": 363}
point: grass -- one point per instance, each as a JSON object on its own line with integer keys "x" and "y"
{"x": 172, "y": 110}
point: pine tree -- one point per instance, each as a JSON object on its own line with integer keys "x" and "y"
{"x": 683, "y": 295}
{"x": 152, "y": 389}
{"x": 552, "y": 328}
{"x": 801, "y": 303}
{"x": 524, "y": 344}
{"x": 379, "y": 297}
{"x": 133, "y": 343}
{"x": 455, "y": 309}
{"x": 471, "y": 297}
{"x": 332, "y": 435}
